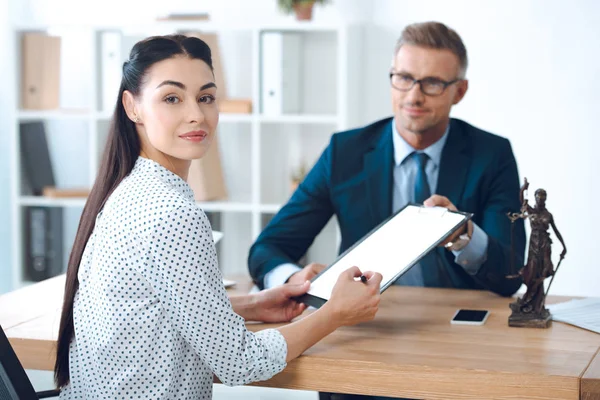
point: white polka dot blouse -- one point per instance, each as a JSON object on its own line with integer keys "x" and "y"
{"x": 152, "y": 318}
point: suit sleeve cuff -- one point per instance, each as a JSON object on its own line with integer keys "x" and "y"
{"x": 474, "y": 254}
{"x": 280, "y": 274}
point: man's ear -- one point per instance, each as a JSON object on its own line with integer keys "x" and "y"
{"x": 461, "y": 90}
{"x": 130, "y": 106}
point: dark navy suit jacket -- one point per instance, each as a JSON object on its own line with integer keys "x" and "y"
{"x": 353, "y": 180}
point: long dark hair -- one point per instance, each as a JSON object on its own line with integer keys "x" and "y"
{"x": 121, "y": 152}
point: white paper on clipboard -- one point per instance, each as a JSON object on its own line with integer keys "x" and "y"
{"x": 393, "y": 247}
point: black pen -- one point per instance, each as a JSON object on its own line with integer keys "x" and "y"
{"x": 363, "y": 279}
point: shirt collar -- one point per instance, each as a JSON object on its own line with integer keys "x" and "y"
{"x": 402, "y": 149}
{"x": 175, "y": 181}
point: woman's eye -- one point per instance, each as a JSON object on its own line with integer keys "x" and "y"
{"x": 172, "y": 100}
{"x": 208, "y": 99}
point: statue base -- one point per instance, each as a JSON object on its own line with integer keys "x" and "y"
{"x": 523, "y": 318}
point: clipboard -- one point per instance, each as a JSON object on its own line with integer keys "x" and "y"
{"x": 391, "y": 248}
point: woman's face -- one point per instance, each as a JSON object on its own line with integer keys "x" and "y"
{"x": 176, "y": 108}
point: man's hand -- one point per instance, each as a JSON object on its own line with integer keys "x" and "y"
{"x": 440, "y": 201}
{"x": 277, "y": 304}
{"x": 306, "y": 273}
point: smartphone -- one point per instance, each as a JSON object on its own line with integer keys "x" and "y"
{"x": 470, "y": 317}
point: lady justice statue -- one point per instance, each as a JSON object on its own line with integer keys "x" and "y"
{"x": 530, "y": 310}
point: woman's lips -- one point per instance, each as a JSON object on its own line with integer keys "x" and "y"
{"x": 194, "y": 136}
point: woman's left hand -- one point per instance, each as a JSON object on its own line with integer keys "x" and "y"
{"x": 277, "y": 305}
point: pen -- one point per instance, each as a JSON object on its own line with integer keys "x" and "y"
{"x": 363, "y": 279}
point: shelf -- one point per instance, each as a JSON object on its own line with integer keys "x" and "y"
{"x": 35, "y": 115}
{"x": 231, "y": 117}
{"x": 224, "y": 206}
{"x": 223, "y": 117}
{"x": 103, "y": 116}
{"x": 209, "y": 206}
{"x": 300, "y": 119}
{"x": 152, "y": 27}
{"x": 52, "y": 201}
{"x": 270, "y": 208}
{"x": 302, "y": 26}
{"x": 278, "y": 119}
{"x": 246, "y": 141}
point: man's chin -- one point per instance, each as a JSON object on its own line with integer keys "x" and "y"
{"x": 414, "y": 128}
{"x": 411, "y": 123}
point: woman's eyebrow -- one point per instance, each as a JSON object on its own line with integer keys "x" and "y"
{"x": 172, "y": 83}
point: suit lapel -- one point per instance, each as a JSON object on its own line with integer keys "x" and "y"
{"x": 378, "y": 167}
{"x": 454, "y": 165}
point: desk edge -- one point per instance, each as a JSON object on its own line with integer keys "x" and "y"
{"x": 590, "y": 380}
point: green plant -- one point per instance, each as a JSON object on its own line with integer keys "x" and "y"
{"x": 288, "y": 5}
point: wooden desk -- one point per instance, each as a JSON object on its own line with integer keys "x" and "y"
{"x": 410, "y": 349}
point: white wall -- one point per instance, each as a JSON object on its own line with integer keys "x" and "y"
{"x": 534, "y": 78}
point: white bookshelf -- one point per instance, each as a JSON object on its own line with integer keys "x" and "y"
{"x": 257, "y": 150}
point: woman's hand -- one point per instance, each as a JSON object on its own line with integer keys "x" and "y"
{"x": 277, "y": 304}
{"x": 353, "y": 301}
{"x": 306, "y": 273}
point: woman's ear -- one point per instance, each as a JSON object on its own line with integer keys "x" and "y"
{"x": 130, "y": 106}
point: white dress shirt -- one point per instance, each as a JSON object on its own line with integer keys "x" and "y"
{"x": 474, "y": 254}
{"x": 152, "y": 318}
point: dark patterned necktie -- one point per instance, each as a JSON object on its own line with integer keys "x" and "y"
{"x": 428, "y": 264}
{"x": 422, "y": 190}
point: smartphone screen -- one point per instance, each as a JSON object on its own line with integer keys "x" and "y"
{"x": 472, "y": 317}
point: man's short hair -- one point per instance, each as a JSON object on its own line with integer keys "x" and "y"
{"x": 435, "y": 35}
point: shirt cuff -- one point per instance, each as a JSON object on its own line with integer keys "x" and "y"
{"x": 474, "y": 254}
{"x": 280, "y": 274}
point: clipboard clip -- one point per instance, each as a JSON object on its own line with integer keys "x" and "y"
{"x": 439, "y": 211}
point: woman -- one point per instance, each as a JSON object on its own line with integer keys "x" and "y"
{"x": 145, "y": 313}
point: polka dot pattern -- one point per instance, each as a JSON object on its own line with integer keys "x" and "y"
{"x": 152, "y": 318}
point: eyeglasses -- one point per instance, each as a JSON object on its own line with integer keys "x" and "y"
{"x": 428, "y": 86}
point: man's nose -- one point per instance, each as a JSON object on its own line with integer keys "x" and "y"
{"x": 415, "y": 95}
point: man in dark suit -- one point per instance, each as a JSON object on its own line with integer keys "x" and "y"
{"x": 420, "y": 155}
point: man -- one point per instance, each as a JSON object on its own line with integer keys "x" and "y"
{"x": 420, "y": 155}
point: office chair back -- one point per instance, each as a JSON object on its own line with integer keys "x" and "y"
{"x": 14, "y": 383}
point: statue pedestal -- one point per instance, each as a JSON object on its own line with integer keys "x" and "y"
{"x": 524, "y": 319}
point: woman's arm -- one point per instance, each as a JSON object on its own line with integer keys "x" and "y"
{"x": 183, "y": 271}
{"x": 244, "y": 305}
{"x": 272, "y": 305}
{"x": 351, "y": 302}
{"x": 299, "y": 335}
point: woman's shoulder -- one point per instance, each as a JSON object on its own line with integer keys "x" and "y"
{"x": 140, "y": 203}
